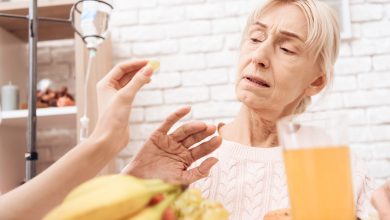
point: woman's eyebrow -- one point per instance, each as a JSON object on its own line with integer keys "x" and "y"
{"x": 292, "y": 35}
{"x": 258, "y": 23}
{"x": 283, "y": 32}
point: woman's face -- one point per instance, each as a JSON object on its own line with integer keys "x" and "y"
{"x": 275, "y": 71}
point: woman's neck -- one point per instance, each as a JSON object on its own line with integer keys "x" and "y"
{"x": 250, "y": 128}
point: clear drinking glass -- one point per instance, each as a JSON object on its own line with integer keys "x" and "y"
{"x": 317, "y": 162}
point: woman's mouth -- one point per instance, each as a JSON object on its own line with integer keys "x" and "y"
{"x": 257, "y": 81}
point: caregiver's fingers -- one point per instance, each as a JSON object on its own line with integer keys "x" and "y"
{"x": 199, "y": 172}
{"x": 125, "y": 79}
{"x": 173, "y": 118}
{"x": 193, "y": 139}
{"x": 153, "y": 64}
{"x": 141, "y": 78}
{"x": 124, "y": 68}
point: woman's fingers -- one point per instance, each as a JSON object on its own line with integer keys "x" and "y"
{"x": 173, "y": 118}
{"x": 205, "y": 148}
{"x": 381, "y": 201}
{"x": 193, "y": 139}
{"x": 199, "y": 172}
{"x": 188, "y": 130}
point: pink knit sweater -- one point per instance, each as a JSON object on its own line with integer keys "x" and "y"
{"x": 251, "y": 181}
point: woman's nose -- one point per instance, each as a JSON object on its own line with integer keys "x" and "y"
{"x": 263, "y": 63}
{"x": 261, "y": 55}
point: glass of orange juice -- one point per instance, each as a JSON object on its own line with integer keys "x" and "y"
{"x": 317, "y": 162}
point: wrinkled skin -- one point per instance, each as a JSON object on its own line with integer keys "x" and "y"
{"x": 168, "y": 156}
{"x": 381, "y": 201}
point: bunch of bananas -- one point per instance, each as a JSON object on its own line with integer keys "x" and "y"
{"x": 191, "y": 206}
{"x": 123, "y": 197}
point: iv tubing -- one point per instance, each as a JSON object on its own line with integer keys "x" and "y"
{"x": 84, "y": 120}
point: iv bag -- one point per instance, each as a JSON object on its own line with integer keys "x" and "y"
{"x": 94, "y": 22}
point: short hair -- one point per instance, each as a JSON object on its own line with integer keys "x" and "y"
{"x": 323, "y": 39}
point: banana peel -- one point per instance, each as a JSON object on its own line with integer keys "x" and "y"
{"x": 109, "y": 197}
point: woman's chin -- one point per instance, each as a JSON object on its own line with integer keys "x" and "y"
{"x": 251, "y": 100}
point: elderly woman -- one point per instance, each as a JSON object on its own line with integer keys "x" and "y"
{"x": 287, "y": 54}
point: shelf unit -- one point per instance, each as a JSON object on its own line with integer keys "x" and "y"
{"x": 64, "y": 116}
{"x": 46, "y": 8}
{"x": 14, "y": 67}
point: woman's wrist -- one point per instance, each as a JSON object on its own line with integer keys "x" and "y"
{"x": 133, "y": 170}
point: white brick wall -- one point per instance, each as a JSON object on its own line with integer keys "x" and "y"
{"x": 197, "y": 42}
{"x": 147, "y": 98}
{"x": 352, "y": 65}
{"x": 186, "y": 95}
{"x": 201, "y": 44}
{"x": 366, "y": 12}
{"x": 155, "y": 48}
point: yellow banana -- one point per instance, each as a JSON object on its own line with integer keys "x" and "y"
{"x": 155, "y": 212}
{"x": 98, "y": 184}
{"x": 108, "y": 197}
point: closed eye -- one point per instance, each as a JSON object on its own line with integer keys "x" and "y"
{"x": 255, "y": 40}
{"x": 287, "y": 51}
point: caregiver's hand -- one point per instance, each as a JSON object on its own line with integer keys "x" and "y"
{"x": 36, "y": 197}
{"x": 116, "y": 79}
{"x": 116, "y": 92}
{"x": 168, "y": 156}
{"x": 381, "y": 201}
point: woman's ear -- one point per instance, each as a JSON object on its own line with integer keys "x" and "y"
{"x": 317, "y": 85}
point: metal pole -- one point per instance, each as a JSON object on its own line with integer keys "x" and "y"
{"x": 31, "y": 155}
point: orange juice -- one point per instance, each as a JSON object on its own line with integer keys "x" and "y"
{"x": 320, "y": 183}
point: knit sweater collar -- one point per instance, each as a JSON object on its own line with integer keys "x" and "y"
{"x": 231, "y": 149}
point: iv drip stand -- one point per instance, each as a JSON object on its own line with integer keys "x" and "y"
{"x": 31, "y": 156}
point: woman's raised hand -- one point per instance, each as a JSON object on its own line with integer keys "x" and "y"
{"x": 169, "y": 156}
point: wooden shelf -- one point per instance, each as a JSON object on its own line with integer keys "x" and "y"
{"x": 64, "y": 117}
{"x": 46, "y": 30}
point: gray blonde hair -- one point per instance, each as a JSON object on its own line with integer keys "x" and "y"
{"x": 323, "y": 41}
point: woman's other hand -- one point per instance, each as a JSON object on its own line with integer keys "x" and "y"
{"x": 381, "y": 201}
{"x": 168, "y": 156}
